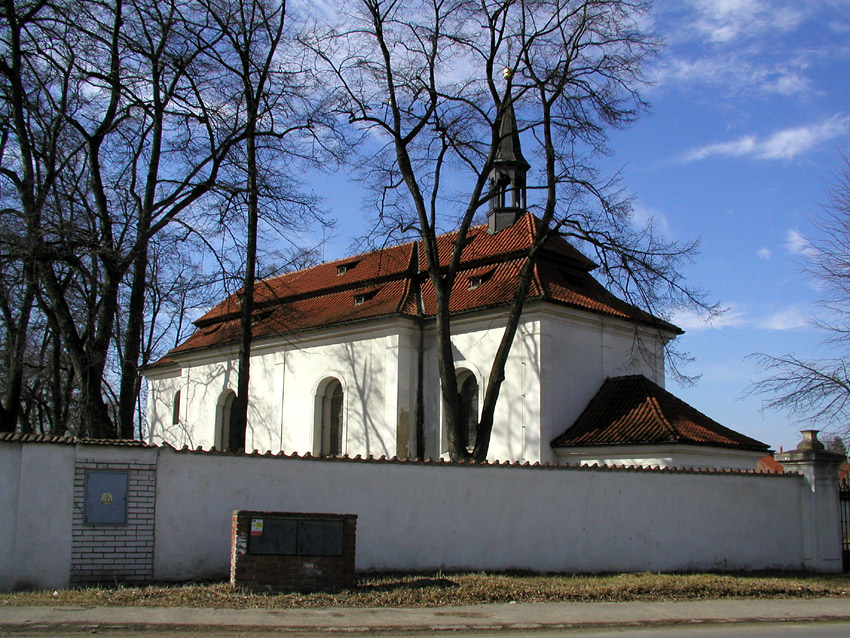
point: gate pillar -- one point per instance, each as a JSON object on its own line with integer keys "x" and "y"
{"x": 819, "y": 494}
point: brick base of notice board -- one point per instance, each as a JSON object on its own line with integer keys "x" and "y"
{"x": 288, "y": 551}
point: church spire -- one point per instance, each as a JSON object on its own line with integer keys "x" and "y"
{"x": 507, "y": 177}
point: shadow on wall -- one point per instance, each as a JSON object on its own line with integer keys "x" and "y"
{"x": 366, "y": 396}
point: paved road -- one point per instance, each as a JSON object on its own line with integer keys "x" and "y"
{"x": 558, "y": 619}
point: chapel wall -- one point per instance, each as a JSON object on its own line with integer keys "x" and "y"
{"x": 161, "y": 389}
{"x": 367, "y": 368}
{"x": 475, "y": 343}
{"x": 578, "y": 353}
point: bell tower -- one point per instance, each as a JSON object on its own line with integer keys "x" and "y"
{"x": 507, "y": 178}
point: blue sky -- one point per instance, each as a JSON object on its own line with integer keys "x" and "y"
{"x": 749, "y": 117}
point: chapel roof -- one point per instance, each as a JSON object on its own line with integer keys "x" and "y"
{"x": 393, "y": 281}
{"x": 632, "y": 410}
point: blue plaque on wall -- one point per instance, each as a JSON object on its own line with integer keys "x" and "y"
{"x": 106, "y": 498}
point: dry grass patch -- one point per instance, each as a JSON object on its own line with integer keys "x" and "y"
{"x": 434, "y": 590}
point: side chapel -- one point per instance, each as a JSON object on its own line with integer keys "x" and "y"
{"x": 344, "y": 358}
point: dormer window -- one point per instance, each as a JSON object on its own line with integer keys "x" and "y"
{"x": 362, "y": 297}
{"x": 344, "y": 268}
{"x": 573, "y": 278}
{"x": 477, "y": 279}
{"x": 261, "y": 315}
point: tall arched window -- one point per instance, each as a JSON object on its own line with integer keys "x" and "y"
{"x": 331, "y": 425}
{"x": 467, "y": 386}
{"x": 175, "y": 409}
{"x": 224, "y": 419}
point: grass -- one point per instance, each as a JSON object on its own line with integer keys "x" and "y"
{"x": 435, "y": 590}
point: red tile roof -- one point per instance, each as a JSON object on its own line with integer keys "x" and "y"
{"x": 634, "y": 410}
{"x": 769, "y": 464}
{"x": 389, "y": 282}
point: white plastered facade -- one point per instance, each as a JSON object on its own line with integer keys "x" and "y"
{"x": 559, "y": 359}
{"x": 661, "y": 456}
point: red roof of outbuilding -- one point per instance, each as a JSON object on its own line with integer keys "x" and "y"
{"x": 393, "y": 282}
{"x": 769, "y": 464}
{"x": 634, "y": 410}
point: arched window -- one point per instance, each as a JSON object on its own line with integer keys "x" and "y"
{"x": 224, "y": 420}
{"x": 175, "y": 409}
{"x": 467, "y": 387}
{"x": 331, "y": 424}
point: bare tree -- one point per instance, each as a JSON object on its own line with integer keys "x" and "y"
{"x": 33, "y": 149}
{"x": 118, "y": 128}
{"x": 817, "y": 391}
{"x": 279, "y": 107}
{"x": 445, "y": 86}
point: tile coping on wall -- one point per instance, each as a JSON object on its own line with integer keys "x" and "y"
{"x": 16, "y": 437}
{"x": 70, "y": 440}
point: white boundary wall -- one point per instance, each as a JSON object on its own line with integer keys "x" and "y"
{"x": 419, "y": 515}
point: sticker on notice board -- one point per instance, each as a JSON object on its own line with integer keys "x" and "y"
{"x": 256, "y": 527}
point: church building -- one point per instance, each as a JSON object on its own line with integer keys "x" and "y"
{"x": 344, "y": 358}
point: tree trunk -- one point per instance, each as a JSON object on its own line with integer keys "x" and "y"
{"x": 11, "y": 406}
{"x": 130, "y": 381}
{"x": 239, "y": 420}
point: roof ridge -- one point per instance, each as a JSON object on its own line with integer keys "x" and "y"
{"x": 537, "y": 281}
{"x": 341, "y": 260}
{"x": 652, "y": 396}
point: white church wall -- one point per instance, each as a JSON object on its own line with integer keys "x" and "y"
{"x": 205, "y": 383}
{"x": 558, "y": 362}
{"x": 374, "y": 364}
{"x": 360, "y": 363}
{"x": 663, "y": 456}
{"x": 578, "y": 352}
{"x": 162, "y": 386}
{"x": 475, "y": 341}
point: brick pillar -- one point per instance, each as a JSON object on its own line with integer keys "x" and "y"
{"x": 292, "y": 559}
{"x": 819, "y": 494}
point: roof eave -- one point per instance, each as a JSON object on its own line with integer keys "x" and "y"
{"x": 742, "y": 447}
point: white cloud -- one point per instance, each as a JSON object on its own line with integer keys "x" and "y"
{"x": 788, "y": 319}
{"x": 736, "y": 148}
{"x": 691, "y": 322}
{"x": 789, "y": 84}
{"x": 764, "y": 254}
{"x": 797, "y": 244}
{"x": 731, "y": 20}
{"x": 789, "y": 143}
{"x": 781, "y": 145}
{"x": 734, "y": 73}
{"x": 643, "y": 217}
